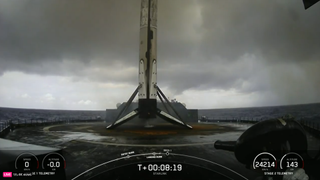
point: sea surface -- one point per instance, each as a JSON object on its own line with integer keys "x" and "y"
{"x": 306, "y": 111}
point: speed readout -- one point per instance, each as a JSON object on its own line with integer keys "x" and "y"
{"x": 265, "y": 161}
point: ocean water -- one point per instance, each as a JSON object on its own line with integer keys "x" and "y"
{"x": 307, "y": 111}
{"x": 47, "y": 115}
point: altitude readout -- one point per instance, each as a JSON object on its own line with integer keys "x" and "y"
{"x": 291, "y": 161}
{"x": 53, "y": 162}
{"x": 265, "y": 162}
{"x": 160, "y": 167}
{"x": 27, "y": 162}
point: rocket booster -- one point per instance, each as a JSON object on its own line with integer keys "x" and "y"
{"x": 148, "y": 89}
{"x": 148, "y": 50}
{"x": 148, "y": 59}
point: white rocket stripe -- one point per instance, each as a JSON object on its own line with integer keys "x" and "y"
{"x": 126, "y": 117}
{"x": 171, "y": 117}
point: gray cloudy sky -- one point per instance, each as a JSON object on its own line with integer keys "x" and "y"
{"x": 60, "y": 54}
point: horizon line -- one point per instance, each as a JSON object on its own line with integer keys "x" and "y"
{"x": 180, "y": 102}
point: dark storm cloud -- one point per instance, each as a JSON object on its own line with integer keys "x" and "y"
{"x": 68, "y": 38}
{"x": 277, "y": 30}
{"x": 37, "y": 32}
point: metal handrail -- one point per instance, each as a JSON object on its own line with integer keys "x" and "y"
{"x": 6, "y": 124}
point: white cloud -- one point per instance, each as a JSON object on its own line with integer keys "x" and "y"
{"x": 87, "y": 102}
{"x": 25, "y": 95}
{"x": 49, "y": 97}
{"x": 87, "y": 95}
{"x": 65, "y": 93}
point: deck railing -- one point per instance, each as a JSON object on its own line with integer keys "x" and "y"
{"x": 311, "y": 124}
{"x": 4, "y": 125}
{"x": 7, "y": 125}
{"x": 231, "y": 119}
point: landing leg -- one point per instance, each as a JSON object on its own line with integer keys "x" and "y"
{"x": 167, "y": 116}
{"x": 127, "y": 117}
{"x": 160, "y": 113}
{"x": 124, "y": 119}
{"x": 172, "y": 119}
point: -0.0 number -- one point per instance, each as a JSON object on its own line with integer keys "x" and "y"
{"x": 54, "y": 164}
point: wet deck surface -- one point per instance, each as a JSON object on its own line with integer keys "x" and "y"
{"x": 89, "y": 144}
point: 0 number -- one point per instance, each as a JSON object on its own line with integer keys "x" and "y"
{"x": 26, "y": 164}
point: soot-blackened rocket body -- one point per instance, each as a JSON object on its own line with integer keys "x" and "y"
{"x": 148, "y": 90}
{"x": 148, "y": 59}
